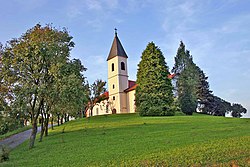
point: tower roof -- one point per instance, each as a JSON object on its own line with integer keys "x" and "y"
{"x": 116, "y": 48}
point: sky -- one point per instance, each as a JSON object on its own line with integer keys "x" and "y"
{"x": 217, "y": 33}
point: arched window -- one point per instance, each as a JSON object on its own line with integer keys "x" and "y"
{"x": 113, "y": 86}
{"x": 113, "y": 67}
{"x": 113, "y": 97}
{"x": 122, "y": 65}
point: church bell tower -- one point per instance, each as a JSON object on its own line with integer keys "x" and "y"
{"x": 117, "y": 76}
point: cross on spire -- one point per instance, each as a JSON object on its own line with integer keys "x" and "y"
{"x": 115, "y": 31}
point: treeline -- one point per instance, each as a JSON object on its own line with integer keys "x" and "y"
{"x": 39, "y": 82}
{"x": 189, "y": 91}
{"x": 192, "y": 89}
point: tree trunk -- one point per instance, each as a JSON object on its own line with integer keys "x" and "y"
{"x": 47, "y": 125}
{"x": 80, "y": 114}
{"x": 58, "y": 120}
{"x": 33, "y": 134}
{"x": 52, "y": 123}
{"x": 62, "y": 120}
{"x": 42, "y": 129}
{"x": 65, "y": 117}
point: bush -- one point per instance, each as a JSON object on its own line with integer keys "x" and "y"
{"x": 4, "y": 128}
{"x": 150, "y": 110}
{"x": 4, "y": 153}
{"x": 7, "y": 125}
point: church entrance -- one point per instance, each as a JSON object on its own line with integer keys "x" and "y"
{"x": 114, "y": 111}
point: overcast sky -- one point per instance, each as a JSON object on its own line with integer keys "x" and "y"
{"x": 217, "y": 33}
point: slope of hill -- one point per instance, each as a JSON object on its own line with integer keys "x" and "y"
{"x": 130, "y": 140}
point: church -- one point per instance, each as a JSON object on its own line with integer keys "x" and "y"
{"x": 120, "y": 97}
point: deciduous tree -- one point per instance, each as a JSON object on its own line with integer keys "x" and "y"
{"x": 94, "y": 93}
{"x": 30, "y": 63}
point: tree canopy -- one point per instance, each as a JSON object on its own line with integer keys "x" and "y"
{"x": 39, "y": 75}
{"x": 187, "y": 78}
{"x": 154, "y": 94}
{"x": 192, "y": 88}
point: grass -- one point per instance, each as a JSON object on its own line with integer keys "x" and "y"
{"x": 8, "y": 134}
{"x": 130, "y": 140}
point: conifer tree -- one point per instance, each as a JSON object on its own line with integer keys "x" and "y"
{"x": 237, "y": 110}
{"x": 187, "y": 97}
{"x": 187, "y": 77}
{"x": 154, "y": 94}
{"x": 204, "y": 94}
{"x": 182, "y": 58}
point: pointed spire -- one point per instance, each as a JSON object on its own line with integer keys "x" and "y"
{"x": 115, "y": 32}
{"x": 116, "y": 48}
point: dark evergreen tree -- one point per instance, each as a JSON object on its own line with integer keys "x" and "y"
{"x": 186, "y": 80}
{"x": 154, "y": 94}
{"x": 186, "y": 98}
{"x": 204, "y": 94}
{"x": 182, "y": 58}
{"x": 237, "y": 110}
{"x": 217, "y": 106}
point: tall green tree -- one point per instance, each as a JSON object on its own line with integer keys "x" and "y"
{"x": 190, "y": 81}
{"x": 204, "y": 94}
{"x": 30, "y": 63}
{"x": 186, "y": 80}
{"x": 182, "y": 59}
{"x": 154, "y": 94}
{"x": 186, "y": 91}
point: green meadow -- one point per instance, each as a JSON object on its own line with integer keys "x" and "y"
{"x": 131, "y": 140}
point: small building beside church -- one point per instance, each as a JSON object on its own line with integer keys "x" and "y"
{"x": 120, "y": 97}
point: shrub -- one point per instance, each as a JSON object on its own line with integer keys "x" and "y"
{"x": 4, "y": 153}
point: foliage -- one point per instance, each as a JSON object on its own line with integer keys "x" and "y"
{"x": 187, "y": 101}
{"x": 154, "y": 91}
{"x": 217, "y": 106}
{"x": 237, "y": 110}
{"x": 32, "y": 74}
{"x": 187, "y": 80}
{"x": 182, "y": 59}
{"x": 193, "y": 88}
{"x": 204, "y": 94}
{"x": 94, "y": 93}
{"x": 71, "y": 86}
{"x": 198, "y": 140}
{"x": 4, "y": 153}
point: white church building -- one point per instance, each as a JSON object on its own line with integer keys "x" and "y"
{"x": 120, "y": 97}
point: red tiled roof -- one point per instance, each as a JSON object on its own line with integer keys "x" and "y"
{"x": 105, "y": 95}
{"x": 102, "y": 97}
{"x": 171, "y": 76}
{"x": 131, "y": 88}
{"x": 131, "y": 83}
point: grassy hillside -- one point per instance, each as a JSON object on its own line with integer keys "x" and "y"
{"x": 130, "y": 140}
